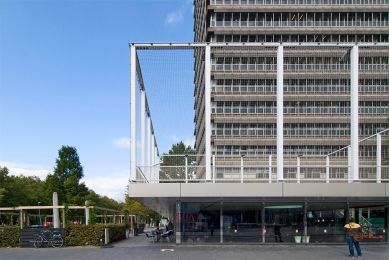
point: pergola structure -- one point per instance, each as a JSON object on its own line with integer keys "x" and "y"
{"x": 23, "y": 212}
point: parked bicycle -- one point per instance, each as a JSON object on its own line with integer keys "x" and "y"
{"x": 46, "y": 237}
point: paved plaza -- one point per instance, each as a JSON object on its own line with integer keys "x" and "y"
{"x": 138, "y": 248}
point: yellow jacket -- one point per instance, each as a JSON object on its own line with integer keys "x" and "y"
{"x": 352, "y": 229}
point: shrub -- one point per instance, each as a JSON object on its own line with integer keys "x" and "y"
{"x": 9, "y": 236}
{"x": 82, "y": 235}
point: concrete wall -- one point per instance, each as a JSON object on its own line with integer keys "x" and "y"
{"x": 241, "y": 190}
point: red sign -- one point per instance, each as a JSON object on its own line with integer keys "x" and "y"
{"x": 190, "y": 217}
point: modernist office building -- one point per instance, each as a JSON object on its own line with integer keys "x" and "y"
{"x": 291, "y": 123}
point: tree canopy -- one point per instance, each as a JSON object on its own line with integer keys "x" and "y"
{"x": 66, "y": 178}
{"x": 179, "y": 160}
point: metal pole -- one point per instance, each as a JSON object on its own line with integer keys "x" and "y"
{"x": 39, "y": 212}
{"x": 186, "y": 168}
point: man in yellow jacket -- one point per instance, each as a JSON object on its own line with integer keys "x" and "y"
{"x": 352, "y": 229}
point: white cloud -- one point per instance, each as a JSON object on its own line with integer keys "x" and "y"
{"x": 174, "y": 138}
{"x": 189, "y": 141}
{"x": 174, "y": 17}
{"x": 113, "y": 185}
{"x": 178, "y": 15}
{"x": 25, "y": 169}
{"x": 123, "y": 142}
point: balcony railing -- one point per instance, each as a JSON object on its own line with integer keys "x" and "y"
{"x": 256, "y": 169}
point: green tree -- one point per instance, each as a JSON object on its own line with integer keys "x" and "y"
{"x": 130, "y": 205}
{"x": 66, "y": 178}
{"x": 3, "y": 177}
{"x": 20, "y": 190}
{"x": 179, "y": 160}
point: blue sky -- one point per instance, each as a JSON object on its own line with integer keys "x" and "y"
{"x": 64, "y": 80}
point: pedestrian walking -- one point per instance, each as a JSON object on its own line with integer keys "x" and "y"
{"x": 277, "y": 231}
{"x": 352, "y": 230}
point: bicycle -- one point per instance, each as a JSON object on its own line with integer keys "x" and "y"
{"x": 50, "y": 238}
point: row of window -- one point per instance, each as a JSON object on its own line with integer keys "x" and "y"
{"x": 331, "y": 24}
{"x": 229, "y": 150}
{"x": 306, "y": 83}
{"x": 298, "y": 67}
{"x": 271, "y": 37}
{"x": 291, "y": 130}
{"x": 303, "y": 59}
{"x": 301, "y": 89}
{"x": 299, "y": 107}
{"x": 299, "y": 2}
{"x": 305, "y": 19}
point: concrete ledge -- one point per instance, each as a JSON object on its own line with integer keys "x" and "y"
{"x": 252, "y": 190}
{"x": 154, "y": 190}
{"x": 335, "y": 190}
{"x": 231, "y": 189}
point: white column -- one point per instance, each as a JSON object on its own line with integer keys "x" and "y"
{"x": 214, "y": 168}
{"x": 354, "y": 113}
{"x": 143, "y": 129}
{"x": 153, "y": 158}
{"x": 56, "y": 221}
{"x": 149, "y": 161}
{"x": 133, "y": 112}
{"x": 86, "y": 213}
{"x": 378, "y": 158}
{"x": 156, "y": 161}
{"x": 241, "y": 169}
{"x": 280, "y": 113}
{"x": 349, "y": 169}
{"x": 269, "y": 168}
{"x": 327, "y": 169}
{"x": 298, "y": 168}
{"x": 208, "y": 130}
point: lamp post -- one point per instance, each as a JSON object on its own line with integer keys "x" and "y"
{"x": 39, "y": 213}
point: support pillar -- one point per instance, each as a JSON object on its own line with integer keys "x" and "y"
{"x": 263, "y": 224}
{"x": 280, "y": 113}
{"x": 207, "y": 113}
{"x": 177, "y": 222}
{"x": 133, "y": 112}
{"x": 354, "y": 56}
{"x": 221, "y": 222}
{"x": 378, "y": 154}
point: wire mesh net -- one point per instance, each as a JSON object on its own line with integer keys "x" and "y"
{"x": 243, "y": 110}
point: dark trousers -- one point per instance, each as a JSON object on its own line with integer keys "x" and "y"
{"x": 278, "y": 235}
